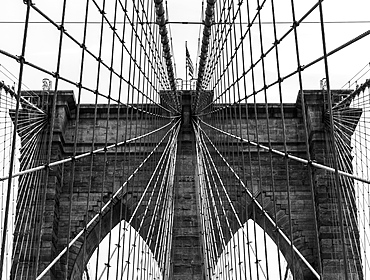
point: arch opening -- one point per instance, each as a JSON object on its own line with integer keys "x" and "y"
{"x": 251, "y": 254}
{"x": 123, "y": 254}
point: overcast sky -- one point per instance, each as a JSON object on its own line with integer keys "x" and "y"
{"x": 42, "y": 43}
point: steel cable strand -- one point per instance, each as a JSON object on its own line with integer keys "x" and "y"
{"x": 253, "y": 77}
{"x": 362, "y": 129}
{"x": 231, "y": 144}
{"x": 164, "y": 197}
{"x": 152, "y": 15}
{"x": 23, "y": 101}
{"x": 205, "y": 41}
{"x": 167, "y": 152}
{"x": 32, "y": 238}
{"x": 129, "y": 120}
{"x": 35, "y": 152}
{"x": 73, "y": 163}
{"x": 332, "y": 138}
{"x": 341, "y": 124}
{"x": 106, "y": 138}
{"x": 232, "y": 56}
{"x": 23, "y": 186}
{"x": 158, "y": 203}
{"x": 89, "y": 89}
{"x": 211, "y": 162}
{"x": 348, "y": 201}
{"x": 270, "y": 146}
{"x": 7, "y": 203}
{"x": 133, "y": 129}
{"x": 348, "y": 195}
{"x": 205, "y": 220}
{"x": 165, "y": 243}
{"x": 284, "y": 137}
{"x": 348, "y": 189}
{"x": 301, "y": 69}
{"x": 208, "y": 192}
{"x": 222, "y": 258}
{"x": 169, "y": 149}
{"x": 205, "y": 180}
{"x": 14, "y": 79}
{"x": 215, "y": 57}
{"x": 290, "y": 156}
{"x": 254, "y": 200}
{"x": 264, "y": 54}
{"x": 25, "y": 236}
{"x": 80, "y": 156}
{"x": 248, "y": 133}
{"x": 26, "y": 156}
{"x": 165, "y": 212}
{"x": 79, "y": 94}
{"x": 211, "y": 182}
{"x": 332, "y": 190}
{"x": 83, "y": 46}
{"x": 157, "y": 51}
{"x": 118, "y": 245}
{"x": 168, "y": 198}
{"x": 349, "y": 81}
{"x": 106, "y": 206}
{"x": 224, "y": 262}
{"x": 175, "y": 102}
{"x": 165, "y": 42}
{"x": 27, "y": 195}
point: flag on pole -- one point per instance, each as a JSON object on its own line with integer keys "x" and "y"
{"x": 189, "y": 63}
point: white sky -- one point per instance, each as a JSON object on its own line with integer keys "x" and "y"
{"x": 43, "y": 38}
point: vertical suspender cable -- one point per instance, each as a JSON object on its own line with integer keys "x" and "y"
{"x": 334, "y": 151}
{"x": 21, "y": 58}
{"x": 205, "y": 47}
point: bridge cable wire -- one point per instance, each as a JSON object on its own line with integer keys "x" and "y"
{"x": 210, "y": 165}
{"x": 281, "y": 79}
{"x": 169, "y": 153}
{"x": 36, "y": 170}
{"x": 145, "y": 124}
{"x": 226, "y": 49}
{"x": 13, "y": 147}
{"x": 80, "y": 156}
{"x": 82, "y": 46}
{"x": 350, "y": 118}
{"x": 106, "y": 205}
{"x": 261, "y": 208}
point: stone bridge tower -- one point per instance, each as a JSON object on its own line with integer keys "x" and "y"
{"x": 187, "y": 246}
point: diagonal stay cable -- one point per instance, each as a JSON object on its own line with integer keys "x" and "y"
{"x": 171, "y": 151}
{"x": 281, "y": 79}
{"x": 255, "y": 201}
{"x": 212, "y": 165}
{"x": 106, "y": 206}
{"x": 290, "y": 156}
{"x": 86, "y": 49}
{"x": 78, "y": 85}
{"x": 167, "y": 152}
{"x": 108, "y": 147}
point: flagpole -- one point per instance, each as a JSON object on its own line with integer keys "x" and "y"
{"x": 186, "y": 65}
